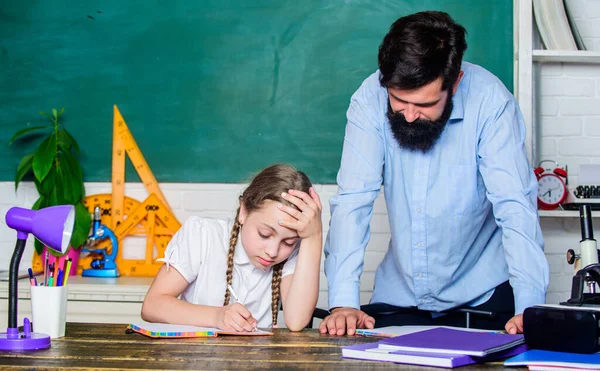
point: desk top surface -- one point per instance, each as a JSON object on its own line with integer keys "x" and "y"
{"x": 101, "y": 346}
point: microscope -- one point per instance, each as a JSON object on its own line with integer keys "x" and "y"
{"x": 574, "y": 325}
{"x": 103, "y": 264}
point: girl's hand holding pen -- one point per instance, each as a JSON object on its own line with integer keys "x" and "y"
{"x": 236, "y": 317}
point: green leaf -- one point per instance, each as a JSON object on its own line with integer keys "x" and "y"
{"x": 45, "y": 114}
{"x": 44, "y": 156}
{"x": 73, "y": 165}
{"x": 71, "y": 181}
{"x": 38, "y": 185}
{"x": 49, "y": 183}
{"x": 65, "y": 138}
{"x": 54, "y": 198}
{"x": 81, "y": 229}
{"x": 68, "y": 187}
{"x": 61, "y": 111}
{"x": 41, "y": 203}
{"x": 39, "y": 247}
{"x": 23, "y": 168}
{"x": 54, "y": 113}
{"x": 22, "y": 132}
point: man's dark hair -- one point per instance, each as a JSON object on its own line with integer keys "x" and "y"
{"x": 420, "y": 48}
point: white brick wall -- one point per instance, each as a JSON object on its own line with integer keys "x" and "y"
{"x": 568, "y": 130}
{"x": 208, "y": 200}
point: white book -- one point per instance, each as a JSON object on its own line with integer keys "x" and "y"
{"x": 553, "y": 25}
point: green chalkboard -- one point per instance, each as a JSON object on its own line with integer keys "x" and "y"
{"x": 211, "y": 90}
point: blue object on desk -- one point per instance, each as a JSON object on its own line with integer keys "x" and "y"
{"x": 104, "y": 266}
{"x": 555, "y": 359}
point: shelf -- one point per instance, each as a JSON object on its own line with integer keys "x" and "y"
{"x": 564, "y": 214}
{"x": 568, "y": 56}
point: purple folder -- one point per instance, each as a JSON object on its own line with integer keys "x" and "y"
{"x": 453, "y": 341}
{"x": 372, "y": 352}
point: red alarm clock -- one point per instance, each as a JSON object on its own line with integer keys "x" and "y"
{"x": 552, "y": 185}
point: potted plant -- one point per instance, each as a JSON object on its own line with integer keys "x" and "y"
{"x": 57, "y": 174}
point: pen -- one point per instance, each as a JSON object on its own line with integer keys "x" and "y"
{"x": 233, "y": 293}
{"x": 46, "y": 268}
{"x": 236, "y": 299}
{"x": 31, "y": 278}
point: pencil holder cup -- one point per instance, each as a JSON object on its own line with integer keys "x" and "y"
{"x": 49, "y": 309}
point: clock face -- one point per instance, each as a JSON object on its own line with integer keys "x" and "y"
{"x": 551, "y": 189}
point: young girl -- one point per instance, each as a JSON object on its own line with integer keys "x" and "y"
{"x": 270, "y": 251}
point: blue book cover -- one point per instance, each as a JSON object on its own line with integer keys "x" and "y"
{"x": 555, "y": 359}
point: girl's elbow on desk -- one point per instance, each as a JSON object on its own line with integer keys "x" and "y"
{"x": 149, "y": 310}
{"x": 296, "y": 324}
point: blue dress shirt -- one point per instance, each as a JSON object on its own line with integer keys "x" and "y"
{"x": 463, "y": 216}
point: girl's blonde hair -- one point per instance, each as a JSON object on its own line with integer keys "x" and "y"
{"x": 269, "y": 184}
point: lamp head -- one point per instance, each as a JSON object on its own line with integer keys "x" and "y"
{"x": 53, "y": 225}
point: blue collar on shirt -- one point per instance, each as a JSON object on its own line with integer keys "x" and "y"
{"x": 458, "y": 112}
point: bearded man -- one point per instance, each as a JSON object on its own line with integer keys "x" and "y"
{"x": 447, "y": 141}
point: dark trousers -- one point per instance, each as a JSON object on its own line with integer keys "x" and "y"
{"x": 501, "y": 306}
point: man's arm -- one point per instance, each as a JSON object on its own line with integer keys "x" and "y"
{"x": 512, "y": 189}
{"x": 359, "y": 181}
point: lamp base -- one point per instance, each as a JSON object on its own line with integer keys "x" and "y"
{"x": 31, "y": 341}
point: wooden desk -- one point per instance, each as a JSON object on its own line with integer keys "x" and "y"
{"x": 101, "y": 346}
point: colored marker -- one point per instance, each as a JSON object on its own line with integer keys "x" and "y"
{"x": 59, "y": 278}
{"x": 67, "y": 271}
{"x": 51, "y": 274}
{"x": 31, "y": 278}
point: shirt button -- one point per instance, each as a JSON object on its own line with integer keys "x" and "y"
{"x": 420, "y": 172}
{"x": 421, "y": 301}
{"x": 419, "y": 210}
{"x": 419, "y": 244}
{"x": 419, "y": 275}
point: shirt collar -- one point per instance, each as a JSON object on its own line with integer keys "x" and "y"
{"x": 239, "y": 256}
{"x": 458, "y": 112}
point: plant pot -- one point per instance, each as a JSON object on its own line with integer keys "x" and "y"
{"x": 71, "y": 253}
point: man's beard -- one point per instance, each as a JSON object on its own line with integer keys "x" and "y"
{"x": 420, "y": 134}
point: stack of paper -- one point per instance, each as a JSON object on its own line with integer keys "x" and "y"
{"x": 440, "y": 347}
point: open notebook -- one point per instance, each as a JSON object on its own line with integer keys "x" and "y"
{"x": 166, "y": 330}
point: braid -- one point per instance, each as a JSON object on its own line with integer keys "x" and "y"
{"x": 235, "y": 231}
{"x": 277, "y": 271}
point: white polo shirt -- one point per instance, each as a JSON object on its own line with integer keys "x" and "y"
{"x": 199, "y": 252}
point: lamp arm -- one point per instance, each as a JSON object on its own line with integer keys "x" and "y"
{"x": 13, "y": 281}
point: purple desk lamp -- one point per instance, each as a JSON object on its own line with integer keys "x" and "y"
{"x": 53, "y": 227}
